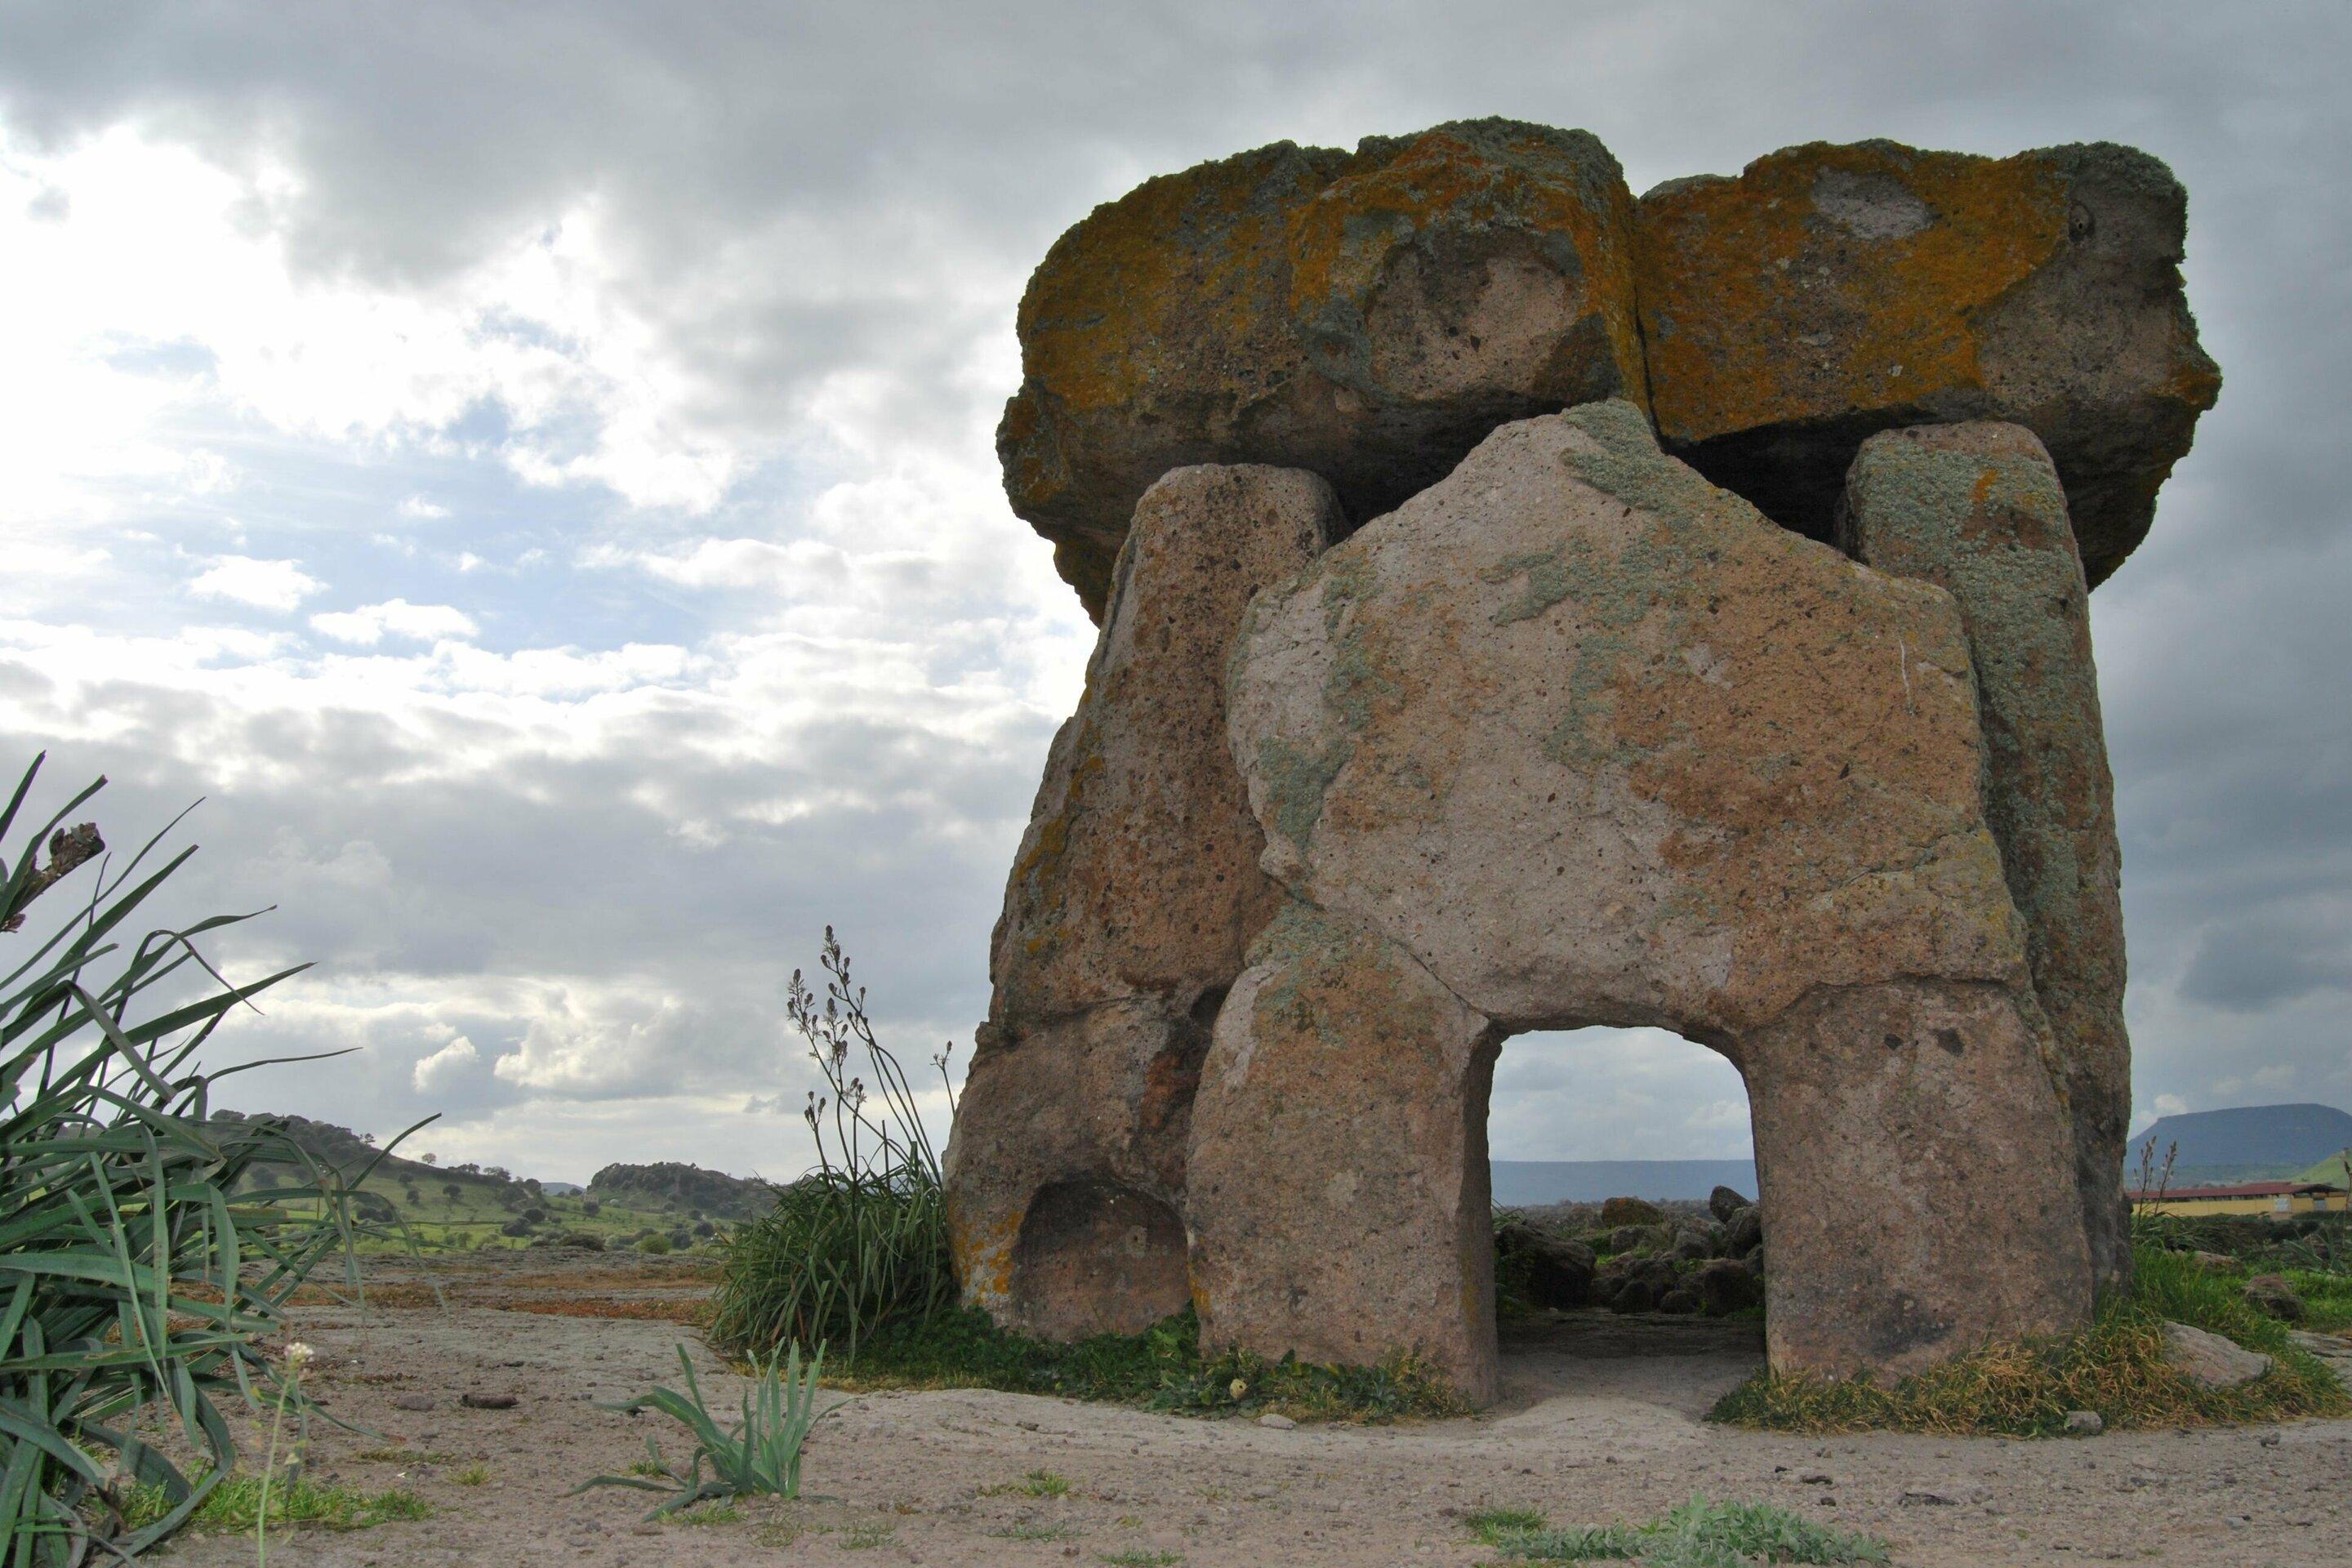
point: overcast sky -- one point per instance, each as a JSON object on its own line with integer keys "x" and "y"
{"x": 530, "y": 468}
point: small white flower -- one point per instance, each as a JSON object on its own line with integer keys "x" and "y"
{"x": 297, "y": 1354}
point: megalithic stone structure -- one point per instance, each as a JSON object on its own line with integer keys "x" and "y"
{"x": 1589, "y": 741}
{"x": 1129, "y": 913}
{"x": 1977, "y": 509}
{"x": 1749, "y": 698}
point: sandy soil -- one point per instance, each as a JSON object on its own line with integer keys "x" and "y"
{"x": 1600, "y": 1423}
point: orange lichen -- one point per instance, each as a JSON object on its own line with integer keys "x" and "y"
{"x": 1340, "y": 243}
{"x": 1758, "y": 307}
{"x": 1132, "y": 279}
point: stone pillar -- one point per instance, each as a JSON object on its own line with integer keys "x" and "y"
{"x": 1916, "y": 1177}
{"x": 1976, "y": 509}
{"x": 1338, "y": 1193}
{"x": 1128, "y": 912}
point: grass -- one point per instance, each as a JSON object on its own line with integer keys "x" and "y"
{"x": 2327, "y": 1299}
{"x": 471, "y": 1476}
{"x": 1057, "y": 1531}
{"x": 236, "y": 1504}
{"x": 139, "y": 1281}
{"x": 861, "y": 1240}
{"x": 1160, "y": 1369}
{"x": 760, "y": 1456}
{"x": 1036, "y": 1483}
{"x": 708, "y": 1515}
{"x": 1699, "y": 1534}
{"x": 2115, "y": 1366}
{"x": 867, "y": 1537}
{"x": 1141, "y": 1557}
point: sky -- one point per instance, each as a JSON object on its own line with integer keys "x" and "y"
{"x": 528, "y": 470}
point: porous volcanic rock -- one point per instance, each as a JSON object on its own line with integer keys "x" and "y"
{"x": 1977, "y": 509}
{"x": 1369, "y": 316}
{"x": 1338, "y": 1191}
{"x": 1828, "y": 292}
{"x": 1128, "y": 912}
{"x": 1593, "y": 741}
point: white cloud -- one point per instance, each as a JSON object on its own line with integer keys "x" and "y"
{"x": 420, "y": 506}
{"x": 445, "y": 1067}
{"x": 368, "y": 624}
{"x": 280, "y": 585}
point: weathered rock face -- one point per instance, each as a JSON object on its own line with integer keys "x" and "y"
{"x": 1598, "y": 743}
{"x": 1832, "y": 291}
{"x": 1978, "y": 510}
{"x": 1129, "y": 912}
{"x": 1345, "y": 1099}
{"x": 1369, "y": 317}
{"x": 1566, "y": 734}
{"x": 1591, "y": 742}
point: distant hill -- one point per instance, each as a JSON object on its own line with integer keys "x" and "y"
{"x": 684, "y": 1188}
{"x": 1520, "y": 1183}
{"x": 340, "y": 1149}
{"x": 2330, "y": 1169}
{"x": 2251, "y": 1140}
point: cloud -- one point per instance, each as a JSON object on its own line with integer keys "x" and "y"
{"x": 445, "y": 1067}
{"x": 280, "y": 585}
{"x": 679, "y": 608}
{"x": 368, "y": 624}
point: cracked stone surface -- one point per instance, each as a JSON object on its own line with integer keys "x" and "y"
{"x": 1978, "y": 510}
{"x": 1584, "y": 740}
{"x": 1129, "y": 910}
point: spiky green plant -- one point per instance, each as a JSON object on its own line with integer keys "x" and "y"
{"x": 760, "y": 1457}
{"x": 133, "y": 1286}
{"x": 862, "y": 1239}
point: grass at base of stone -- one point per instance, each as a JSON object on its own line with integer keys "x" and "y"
{"x": 2116, "y": 1367}
{"x": 1699, "y": 1534}
{"x": 1160, "y": 1369}
{"x": 236, "y": 1504}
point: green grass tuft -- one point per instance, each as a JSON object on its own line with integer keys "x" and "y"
{"x": 1160, "y": 1369}
{"x": 2116, "y": 1366}
{"x": 1141, "y": 1557}
{"x": 236, "y": 1504}
{"x": 1699, "y": 1534}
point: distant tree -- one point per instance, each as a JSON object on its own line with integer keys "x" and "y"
{"x": 430, "y": 1158}
{"x": 368, "y": 1139}
{"x": 591, "y": 1207}
{"x": 452, "y": 1191}
{"x": 499, "y": 1174}
{"x": 533, "y": 1215}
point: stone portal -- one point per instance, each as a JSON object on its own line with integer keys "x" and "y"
{"x": 1808, "y": 769}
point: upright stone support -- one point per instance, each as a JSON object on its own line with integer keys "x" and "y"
{"x": 1978, "y": 510}
{"x": 1917, "y": 1177}
{"x": 1591, "y": 742}
{"x": 1128, "y": 912}
{"x": 1339, "y": 1199}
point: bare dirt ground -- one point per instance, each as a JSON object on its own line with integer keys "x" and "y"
{"x": 1600, "y": 1422}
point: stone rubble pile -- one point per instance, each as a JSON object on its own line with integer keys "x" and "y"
{"x": 1526, "y": 607}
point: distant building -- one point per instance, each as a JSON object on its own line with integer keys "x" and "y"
{"x": 2279, "y": 1200}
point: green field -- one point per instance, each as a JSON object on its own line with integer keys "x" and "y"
{"x": 2331, "y": 1169}
{"x": 452, "y": 1211}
